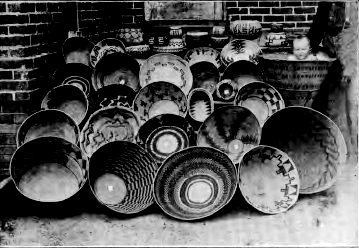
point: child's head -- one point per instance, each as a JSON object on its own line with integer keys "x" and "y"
{"x": 301, "y": 47}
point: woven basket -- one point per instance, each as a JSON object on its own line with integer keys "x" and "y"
{"x": 297, "y": 81}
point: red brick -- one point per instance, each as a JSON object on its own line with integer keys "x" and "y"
{"x": 22, "y": 95}
{"x": 8, "y": 128}
{"x": 295, "y": 18}
{"x": 6, "y": 74}
{"x": 58, "y": 17}
{"x": 247, "y": 3}
{"x": 40, "y": 7}
{"x": 304, "y": 10}
{"x": 6, "y": 119}
{"x": 20, "y": 118}
{"x": 16, "y": 63}
{"x": 52, "y": 7}
{"x": 237, "y": 11}
{"x": 4, "y": 53}
{"x": 310, "y": 17}
{"x": 40, "y": 18}
{"x": 11, "y": 19}
{"x": 303, "y": 24}
{"x": 268, "y": 4}
{"x": 4, "y": 172}
{"x": 252, "y": 17}
{"x": 136, "y": 11}
{"x": 13, "y": 85}
{"x": 16, "y": 107}
{"x": 15, "y": 40}
{"x": 282, "y": 10}
{"x": 138, "y": 19}
{"x": 290, "y": 3}
{"x": 5, "y": 158}
{"x": 128, "y": 5}
{"x": 7, "y": 149}
{"x": 234, "y": 17}
{"x": 23, "y": 52}
{"x": 39, "y": 39}
{"x": 2, "y": 7}
{"x": 21, "y": 7}
{"x": 141, "y": 5}
{"x": 259, "y": 10}
{"x": 310, "y": 3}
{"x": 4, "y": 30}
{"x": 22, "y": 29}
{"x": 273, "y": 18}
{"x": 85, "y": 6}
{"x": 231, "y": 4}
{"x": 6, "y": 96}
{"x": 42, "y": 28}
{"x": 7, "y": 139}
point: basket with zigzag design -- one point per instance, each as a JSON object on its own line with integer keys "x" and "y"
{"x": 298, "y": 81}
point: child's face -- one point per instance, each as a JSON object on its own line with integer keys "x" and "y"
{"x": 301, "y": 48}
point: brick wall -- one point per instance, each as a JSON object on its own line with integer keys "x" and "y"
{"x": 294, "y": 15}
{"x": 99, "y": 20}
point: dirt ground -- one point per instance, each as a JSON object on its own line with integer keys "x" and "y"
{"x": 323, "y": 219}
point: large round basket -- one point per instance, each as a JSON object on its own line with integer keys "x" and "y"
{"x": 297, "y": 81}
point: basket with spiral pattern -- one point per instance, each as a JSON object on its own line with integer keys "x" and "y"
{"x": 312, "y": 141}
{"x": 121, "y": 176}
{"x": 195, "y": 183}
{"x": 165, "y": 134}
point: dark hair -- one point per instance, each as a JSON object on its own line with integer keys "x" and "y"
{"x": 76, "y": 44}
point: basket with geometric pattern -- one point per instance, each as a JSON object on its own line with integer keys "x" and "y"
{"x": 121, "y": 176}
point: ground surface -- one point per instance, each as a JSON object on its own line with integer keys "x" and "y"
{"x": 327, "y": 218}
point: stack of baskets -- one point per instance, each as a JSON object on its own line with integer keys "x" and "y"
{"x": 180, "y": 133}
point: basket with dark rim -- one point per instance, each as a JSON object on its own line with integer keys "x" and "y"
{"x": 165, "y": 134}
{"x": 231, "y": 129}
{"x": 74, "y": 74}
{"x": 107, "y": 125}
{"x": 116, "y": 68}
{"x": 205, "y": 75}
{"x": 200, "y": 104}
{"x": 77, "y": 50}
{"x": 48, "y": 169}
{"x": 114, "y": 95}
{"x": 48, "y": 123}
{"x": 242, "y": 72}
{"x": 298, "y": 81}
{"x": 312, "y": 141}
{"x": 260, "y": 98}
{"x": 121, "y": 176}
{"x": 268, "y": 179}
{"x": 159, "y": 98}
{"x": 195, "y": 183}
{"x": 68, "y": 98}
{"x": 105, "y": 47}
